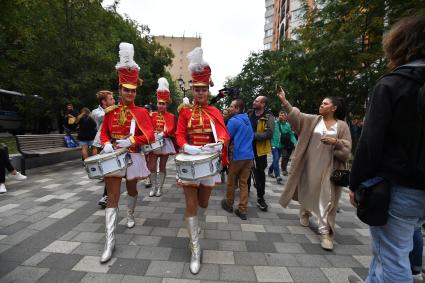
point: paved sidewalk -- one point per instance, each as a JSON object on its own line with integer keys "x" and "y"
{"x": 51, "y": 230}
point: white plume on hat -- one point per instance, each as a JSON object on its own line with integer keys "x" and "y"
{"x": 163, "y": 84}
{"x": 126, "y": 54}
{"x": 186, "y": 101}
{"x": 197, "y": 63}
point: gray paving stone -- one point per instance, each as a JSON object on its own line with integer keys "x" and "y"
{"x": 125, "y": 251}
{"x": 89, "y": 249}
{"x": 54, "y": 276}
{"x": 302, "y": 274}
{"x": 156, "y": 222}
{"x": 136, "y": 267}
{"x": 60, "y": 261}
{"x": 274, "y": 259}
{"x": 312, "y": 260}
{"x": 237, "y": 246}
{"x": 36, "y": 259}
{"x": 237, "y": 273}
{"x": 161, "y": 231}
{"x": 88, "y": 237}
{"x": 243, "y": 236}
{"x": 262, "y": 247}
{"x": 180, "y": 255}
{"x": 154, "y": 253}
{"x": 173, "y": 242}
{"x": 101, "y": 278}
{"x": 140, "y": 279}
{"x": 272, "y": 274}
{"x": 249, "y": 258}
{"x": 207, "y": 272}
{"x": 165, "y": 269}
{"x": 142, "y": 240}
{"x": 216, "y": 234}
{"x": 343, "y": 261}
{"x": 24, "y": 274}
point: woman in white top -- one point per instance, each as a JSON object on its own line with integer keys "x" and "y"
{"x": 324, "y": 145}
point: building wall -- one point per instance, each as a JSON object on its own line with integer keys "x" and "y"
{"x": 268, "y": 24}
{"x": 180, "y": 47}
{"x": 289, "y": 18}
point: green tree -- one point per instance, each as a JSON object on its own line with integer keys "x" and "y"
{"x": 338, "y": 52}
{"x": 65, "y": 51}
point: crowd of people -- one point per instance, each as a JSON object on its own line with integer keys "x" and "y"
{"x": 307, "y": 148}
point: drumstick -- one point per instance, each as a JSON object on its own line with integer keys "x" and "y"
{"x": 132, "y": 127}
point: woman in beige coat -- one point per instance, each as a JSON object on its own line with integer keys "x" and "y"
{"x": 324, "y": 145}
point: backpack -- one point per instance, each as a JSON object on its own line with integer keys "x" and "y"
{"x": 70, "y": 141}
{"x": 418, "y": 152}
{"x": 285, "y": 139}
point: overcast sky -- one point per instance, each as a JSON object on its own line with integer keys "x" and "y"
{"x": 230, "y": 29}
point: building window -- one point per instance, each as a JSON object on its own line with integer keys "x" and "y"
{"x": 269, "y": 20}
{"x": 268, "y": 33}
{"x": 267, "y": 46}
{"x": 298, "y": 14}
{"x": 170, "y": 45}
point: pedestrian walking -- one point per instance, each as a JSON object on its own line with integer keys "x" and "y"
{"x": 5, "y": 164}
{"x": 86, "y": 131}
{"x": 262, "y": 122}
{"x": 241, "y": 136}
{"x": 392, "y": 146}
{"x": 324, "y": 145}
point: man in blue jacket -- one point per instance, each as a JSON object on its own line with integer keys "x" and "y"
{"x": 241, "y": 135}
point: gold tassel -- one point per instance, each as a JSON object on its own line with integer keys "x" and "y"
{"x": 123, "y": 116}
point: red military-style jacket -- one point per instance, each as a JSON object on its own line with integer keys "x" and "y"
{"x": 164, "y": 122}
{"x": 194, "y": 127}
{"x": 117, "y": 121}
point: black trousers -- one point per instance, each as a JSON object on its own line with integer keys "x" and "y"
{"x": 286, "y": 153}
{"x": 259, "y": 174}
{"x": 4, "y": 164}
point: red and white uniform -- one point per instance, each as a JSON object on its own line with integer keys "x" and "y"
{"x": 116, "y": 125}
{"x": 165, "y": 123}
{"x": 196, "y": 126}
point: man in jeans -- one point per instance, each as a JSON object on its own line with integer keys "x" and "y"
{"x": 262, "y": 122}
{"x": 392, "y": 146}
{"x": 283, "y": 142}
{"x": 242, "y": 135}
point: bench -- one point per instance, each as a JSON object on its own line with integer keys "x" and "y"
{"x": 38, "y": 145}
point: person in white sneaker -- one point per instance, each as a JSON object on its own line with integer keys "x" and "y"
{"x": 13, "y": 174}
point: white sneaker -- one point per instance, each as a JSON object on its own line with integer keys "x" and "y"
{"x": 417, "y": 277}
{"x": 18, "y": 176}
{"x": 2, "y": 189}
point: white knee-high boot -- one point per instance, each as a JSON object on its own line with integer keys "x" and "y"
{"x": 161, "y": 180}
{"x": 154, "y": 184}
{"x": 131, "y": 205}
{"x": 111, "y": 216}
{"x": 195, "y": 246}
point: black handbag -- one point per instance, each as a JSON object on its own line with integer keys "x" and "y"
{"x": 373, "y": 201}
{"x": 341, "y": 178}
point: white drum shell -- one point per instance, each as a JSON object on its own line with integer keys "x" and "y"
{"x": 197, "y": 169}
{"x": 146, "y": 148}
{"x": 102, "y": 166}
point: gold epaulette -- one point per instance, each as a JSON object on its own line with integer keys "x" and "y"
{"x": 110, "y": 108}
{"x": 182, "y": 105}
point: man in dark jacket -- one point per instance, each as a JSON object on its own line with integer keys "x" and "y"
{"x": 241, "y": 135}
{"x": 262, "y": 122}
{"x": 392, "y": 146}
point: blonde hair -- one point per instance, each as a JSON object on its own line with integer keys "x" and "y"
{"x": 102, "y": 94}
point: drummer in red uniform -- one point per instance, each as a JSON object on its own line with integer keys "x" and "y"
{"x": 125, "y": 126}
{"x": 164, "y": 124}
{"x": 199, "y": 128}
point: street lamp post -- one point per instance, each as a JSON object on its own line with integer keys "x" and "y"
{"x": 182, "y": 85}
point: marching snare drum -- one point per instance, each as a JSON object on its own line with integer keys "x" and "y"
{"x": 146, "y": 148}
{"x": 105, "y": 164}
{"x": 197, "y": 167}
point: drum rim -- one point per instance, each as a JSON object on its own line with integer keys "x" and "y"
{"x": 212, "y": 157}
{"x": 105, "y": 156}
{"x": 201, "y": 178}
